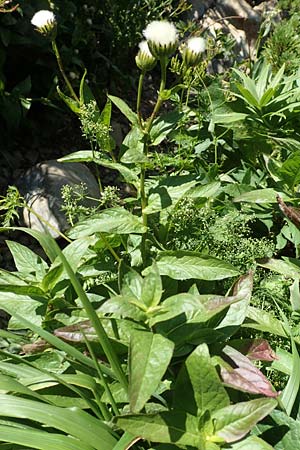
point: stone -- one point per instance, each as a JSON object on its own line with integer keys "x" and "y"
{"x": 41, "y": 188}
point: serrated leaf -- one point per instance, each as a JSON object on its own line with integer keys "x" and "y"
{"x": 149, "y": 357}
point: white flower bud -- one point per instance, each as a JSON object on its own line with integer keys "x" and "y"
{"x": 192, "y": 51}
{"x": 45, "y": 22}
{"x": 144, "y": 59}
{"x": 162, "y": 38}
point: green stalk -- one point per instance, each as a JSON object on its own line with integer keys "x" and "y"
{"x": 139, "y": 98}
{"x": 62, "y": 71}
{"x": 159, "y": 102}
{"x": 101, "y": 333}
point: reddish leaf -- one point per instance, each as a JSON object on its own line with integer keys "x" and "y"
{"x": 255, "y": 349}
{"x": 74, "y": 333}
{"x": 239, "y": 373}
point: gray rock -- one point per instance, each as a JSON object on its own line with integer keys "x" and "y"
{"x": 41, "y": 187}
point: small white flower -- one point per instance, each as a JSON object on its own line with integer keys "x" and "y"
{"x": 192, "y": 50}
{"x": 43, "y": 18}
{"x": 162, "y": 37}
{"x": 144, "y": 59}
{"x": 196, "y": 45}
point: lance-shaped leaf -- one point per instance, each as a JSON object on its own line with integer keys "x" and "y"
{"x": 114, "y": 220}
{"x": 239, "y": 373}
{"x": 251, "y": 443}
{"x": 198, "y": 387}
{"x": 255, "y": 349}
{"x": 234, "y": 421}
{"x": 149, "y": 357}
{"x": 184, "y": 265}
{"x": 171, "y": 427}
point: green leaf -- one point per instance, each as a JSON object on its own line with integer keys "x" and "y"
{"x": 286, "y": 268}
{"x": 105, "y": 115}
{"x": 290, "y": 170}
{"x": 291, "y": 389}
{"x": 124, "y": 108}
{"x": 228, "y": 118}
{"x": 26, "y": 260}
{"x": 73, "y": 421}
{"x": 85, "y": 93}
{"x": 264, "y": 321}
{"x": 163, "y": 125}
{"x": 40, "y": 439}
{"x": 72, "y": 104}
{"x": 149, "y": 357}
{"x": 234, "y": 421}
{"x": 174, "y": 427}
{"x": 133, "y": 147}
{"x": 289, "y": 440}
{"x": 252, "y": 443}
{"x": 198, "y": 387}
{"x": 126, "y": 441}
{"x": 152, "y": 287}
{"x": 261, "y": 196}
{"x": 114, "y": 220}
{"x": 183, "y": 265}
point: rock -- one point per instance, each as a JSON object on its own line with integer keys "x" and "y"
{"x": 41, "y": 187}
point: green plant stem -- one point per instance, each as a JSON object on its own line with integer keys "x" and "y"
{"x": 62, "y": 71}
{"x": 146, "y": 131}
{"x": 43, "y": 221}
{"x": 109, "y": 247}
{"x": 139, "y": 98}
{"x": 95, "y": 321}
{"x": 96, "y": 168}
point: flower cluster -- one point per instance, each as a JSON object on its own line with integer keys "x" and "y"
{"x": 162, "y": 40}
{"x": 45, "y": 23}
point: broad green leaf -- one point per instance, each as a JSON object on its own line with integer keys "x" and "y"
{"x": 80, "y": 156}
{"x": 285, "y": 267}
{"x": 114, "y": 220}
{"x": 70, "y": 102}
{"x": 26, "y": 260}
{"x": 105, "y": 115}
{"x": 149, "y": 357}
{"x": 40, "y": 439}
{"x": 9, "y": 384}
{"x": 208, "y": 190}
{"x": 237, "y": 312}
{"x": 168, "y": 192}
{"x": 264, "y": 321}
{"x": 251, "y": 443}
{"x": 198, "y": 387}
{"x": 174, "y": 427}
{"x": 295, "y": 295}
{"x": 183, "y": 265}
{"x": 124, "y": 108}
{"x": 234, "y": 421}
{"x": 290, "y": 170}
{"x": 44, "y": 239}
{"x": 152, "y": 287}
{"x": 129, "y": 175}
{"x": 228, "y": 118}
{"x": 72, "y": 421}
{"x": 163, "y": 125}
{"x": 289, "y": 440}
{"x": 260, "y": 196}
{"x": 132, "y": 147}
{"x": 32, "y": 308}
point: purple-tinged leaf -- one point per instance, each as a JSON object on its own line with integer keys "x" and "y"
{"x": 239, "y": 373}
{"x": 255, "y": 349}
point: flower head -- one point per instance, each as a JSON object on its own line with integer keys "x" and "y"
{"x": 162, "y": 38}
{"x": 45, "y": 22}
{"x": 192, "y": 50}
{"x": 144, "y": 59}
